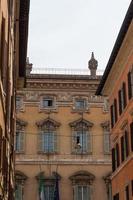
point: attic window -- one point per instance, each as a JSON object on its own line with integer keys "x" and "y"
{"x": 48, "y": 102}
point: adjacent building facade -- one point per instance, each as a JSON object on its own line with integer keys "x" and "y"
{"x": 62, "y": 138}
{"x": 117, "y": 83}
{"x": 13, "y": 38}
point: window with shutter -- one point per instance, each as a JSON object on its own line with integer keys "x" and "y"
{"x": 131, "y": 135}
{"x": 115, "y": 110}
{"x": 127, "y": 192}
{"x": 19, "y": 141}
{"x": 18, "y": 192}
{"x": 113, "y": 160}
{"x": 122, "y": 149}
{"x": 117, "y": 155}
{"x": 106, "y": 141}
{"x": 126, "y": 143}
{"x": 124, "y": 95}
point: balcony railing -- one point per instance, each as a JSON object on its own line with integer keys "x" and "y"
{"x": 64, "y": 71}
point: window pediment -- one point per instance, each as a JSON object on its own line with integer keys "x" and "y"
{"x": 48, "y": 123}
{"x": 48, "y": 179}
{"x": 105, "y": 124}
{"x": 20, "y": 176}
{"x": 81, "y": 123}
{"x": 82, "y": 177}
{"x": 20, "y": 124}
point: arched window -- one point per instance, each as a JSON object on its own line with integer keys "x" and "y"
{"x": 82, "y": 185}
{"x": 47, "y": 137}
{"x": 20, "y": 179}
{"x": 81, "y": 136}
{"x": 20, "y": 136}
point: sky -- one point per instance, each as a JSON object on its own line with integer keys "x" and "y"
{"x": 63, "y": 33}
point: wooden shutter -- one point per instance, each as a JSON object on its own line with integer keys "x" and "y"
{"x": 106, "y": 141}
{"x": 122, "y": 149}
{"x": 126, "y": 143}
{"x": 129, "y": 85}
{"x": 115, "y": 109}
{"x": 117, "y": 154}
{"x": 112, "y": 120}
{"x": 120, "y": 103}
{"x": 124, "y": 94}
{"x": 131, "y": 135}
{"x": 113, "y": 160}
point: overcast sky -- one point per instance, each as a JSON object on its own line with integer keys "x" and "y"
{"x": 63, "y": 33}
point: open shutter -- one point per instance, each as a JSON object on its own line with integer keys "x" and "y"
{"x": 89, "y": 144}
{"x": 106, "y": 142}
{"x": 131, "y": 135}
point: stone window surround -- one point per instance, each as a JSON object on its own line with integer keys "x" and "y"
{"x": 50, "y": 108}
{"x": 76, "y": 98}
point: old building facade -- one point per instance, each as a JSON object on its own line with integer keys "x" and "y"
{"x": 62, "y": 138}
{"x": 12, "y": 40}
{"x": 117, "y": 83}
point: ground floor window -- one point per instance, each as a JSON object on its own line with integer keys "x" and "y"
{"x": 82, "y": 192}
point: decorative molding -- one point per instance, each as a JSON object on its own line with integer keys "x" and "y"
{"x": 20, "y": 124}
{"x": 82, "y": 177}
{"x": 47, "y": 123}
{"x": 81, "y": 123}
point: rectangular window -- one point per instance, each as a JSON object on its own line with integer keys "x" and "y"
{"x": 113, "y": 160}
{"x": 106, "y": 142}
{"x": 116, "y": 197}
{"x": 48, "y": 103}
{"x": 49, "y": 192}
{"x": 80, "y": 104}
{"x": 124, "y": 146}
{"x": 113, "y": 111}
{"x": 82, "y": 192}
{"x": 127, "y": 192}
{"x": 122, "y": 98}
{"x": 117, "y": 155}
{"x": 130, "y": 84}
{"x": 48, "y": 142}
{"x": 19, "y": 141}
{"x": 19, "y": 103}
{"x": 18, "y": 192}
{"x": 132, "y": 187}
{"x": 81, "y": 142}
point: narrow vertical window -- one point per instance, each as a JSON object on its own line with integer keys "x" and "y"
{"x": 124, "y": 94}
{"x": 129, "y": 86}
{"x": 126, "y": 144}
{"x": 122, "y": 149}
{"x": 127, "y": 192}
{"x": 113, "y": 160}
{"x": 131, "y": 135}
{"x": 117, "y": 155}
{"x": 112, "y": 120}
